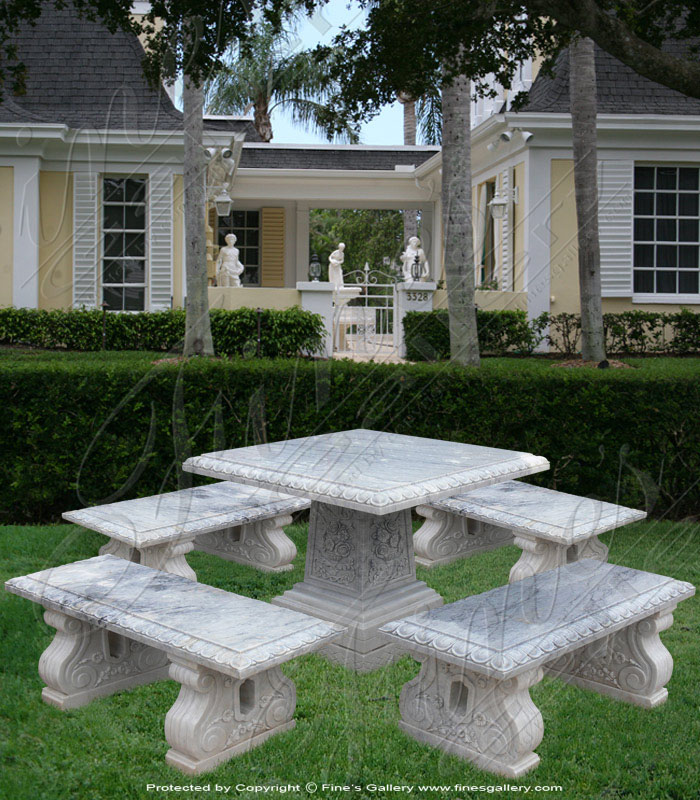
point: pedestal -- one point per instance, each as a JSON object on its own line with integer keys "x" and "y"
{"x": 360, "y": 573}
{"x": 410, "y": 296}
{"x": 317, "y": 296}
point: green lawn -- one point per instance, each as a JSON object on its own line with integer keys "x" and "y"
{"x": 346, "y": 733}
{"x": 657, "y": 367}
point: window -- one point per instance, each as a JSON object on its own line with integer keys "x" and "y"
{"x": 666, "y": 230}
{"x": 124, "y": 244}
{"x": 246, "y": 227}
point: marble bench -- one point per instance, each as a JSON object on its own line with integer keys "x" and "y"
{"x": 551, "y": 528}
{"x": 120, "y": 624}
{"x": 236, "y": 522}
{"x": 593, "y": 624}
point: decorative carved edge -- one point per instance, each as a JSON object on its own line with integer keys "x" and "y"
{"x": 509, "y": 662}
{"x": 177, "y": 642}
{"x": 326, "y": 491}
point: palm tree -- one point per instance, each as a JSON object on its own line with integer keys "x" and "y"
{"x": 457, "y": 219}
{"x": 582, "y": 90}
{"x": 264, "y": 74}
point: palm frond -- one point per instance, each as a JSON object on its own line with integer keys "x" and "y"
{"x": 429, "y": 114}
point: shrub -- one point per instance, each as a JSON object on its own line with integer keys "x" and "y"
{"x": 500, "y": 332}
{"x": 283, "y": 333}
{"x": 80, "y": 429}
{"x": 427, "y": 334}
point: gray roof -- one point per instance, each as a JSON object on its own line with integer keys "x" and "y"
{"x": 620, "y": 89}
{"x": 341, "y": 157}
{"x": 81, "y": 75}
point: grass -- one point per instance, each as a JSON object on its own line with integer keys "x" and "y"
{"x": 651, "y": 367}
{"x": 346, "y": 734}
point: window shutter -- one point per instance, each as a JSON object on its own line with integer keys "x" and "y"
{"x": 85, "y": 238}
{"x": 615, "y": 211}
{"x": 506, "y": 228}
{"x": 272, "y": 253}
{"x": 160, "y": 193}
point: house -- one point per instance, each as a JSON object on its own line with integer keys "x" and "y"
{"x": 91, "y": 188}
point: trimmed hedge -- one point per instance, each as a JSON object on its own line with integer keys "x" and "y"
{"x": 80, "y": 429}
{"x": 638, "y": 332}
{"x": 283, "y": 333}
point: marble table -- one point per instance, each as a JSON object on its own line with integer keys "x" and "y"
{"x": 360, "y": 567}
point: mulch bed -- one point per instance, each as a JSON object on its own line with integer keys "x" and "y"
{"x": 610, "y": 363}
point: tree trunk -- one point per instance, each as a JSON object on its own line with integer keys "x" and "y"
{"x": 458, "y": 241}
{"x": 261, "y": 119}
{"x": 198, "y": 339}
{"x": 582, "y": 89}
{"x": 410, "y": 216}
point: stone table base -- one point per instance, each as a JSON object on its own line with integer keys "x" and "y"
{"x": 360, "y": 573}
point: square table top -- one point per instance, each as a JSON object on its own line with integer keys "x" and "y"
{"x": 370, "y": 471}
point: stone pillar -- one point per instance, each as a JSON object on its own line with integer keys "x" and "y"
{"x": 410, "y": 296}
{"x": 317, "y": 296}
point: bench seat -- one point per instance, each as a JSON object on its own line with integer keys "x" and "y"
{"x": 236, "y": 522}
{"x": 552, "y": 528}
{"x": 120, "y": 624}
{"x": 593, "y": 624}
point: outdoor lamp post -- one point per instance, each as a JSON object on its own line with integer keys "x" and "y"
{"x": 314, "y": 268}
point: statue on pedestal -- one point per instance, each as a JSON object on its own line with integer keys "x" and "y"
{"x": 335, "y": 266}
{"x": 415, "y": 264}
{"x": 228, "y": 265}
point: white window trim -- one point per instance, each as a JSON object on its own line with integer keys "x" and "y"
{"x": 668, "y": 299}
{"x": 238, "y": 207}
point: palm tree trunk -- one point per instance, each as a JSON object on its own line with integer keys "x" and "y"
{"x": 261, "y": 119}
{"x": 198, "y": 339}
{"x": 410, "y": 216}
{"x": 582, "y": 90}
{"x": 458, "y": 244}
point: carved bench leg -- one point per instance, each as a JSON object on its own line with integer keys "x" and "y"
{"x": 492, "y": 723}
{"x": 631, "y": 665}
{"x": 591, "y": 548}
{"x": 538, "y": 555}
{"x": 263, "y": 545}
{"x": 445, "y": 537}
{"x": 170, "y": 557}
{"x": 119, "y": 549}
{"x": 83, "y": 662}
{"x": 216, "y": 717}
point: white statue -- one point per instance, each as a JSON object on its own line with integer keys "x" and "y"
{"x": 228, "y": 265}
{"x": 408, "y": 259}
{"x": 335, "y": 267}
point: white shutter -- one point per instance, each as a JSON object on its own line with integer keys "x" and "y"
{"x": 160, "y": 193}
{"x": 615, "y": 217}
{"x": 85, "y": 238}
{"x": 506, "y": 228}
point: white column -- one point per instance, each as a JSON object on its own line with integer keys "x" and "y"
{"x": 302, "y": 243}
{"x": 25, "y": 275}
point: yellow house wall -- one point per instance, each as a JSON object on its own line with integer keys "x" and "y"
{"x": 7, "y": 191}
{"x": 55, "y": 239}
{"x": 178, "y": 223}
{"x": 253, "y": 297}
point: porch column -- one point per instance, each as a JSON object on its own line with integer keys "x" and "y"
{"x": 431, "y": 238}
{"x": 25, "y": 266}
{"x": 302, "y": 242}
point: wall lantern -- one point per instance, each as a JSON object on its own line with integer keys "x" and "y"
{"x": 223, "y": 203}
{"x": 498, "y": 206}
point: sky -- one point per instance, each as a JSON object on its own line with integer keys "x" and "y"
{"x": 386, "y": 128}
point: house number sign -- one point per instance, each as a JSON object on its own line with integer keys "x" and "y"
{"x": 417, "y": 297}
